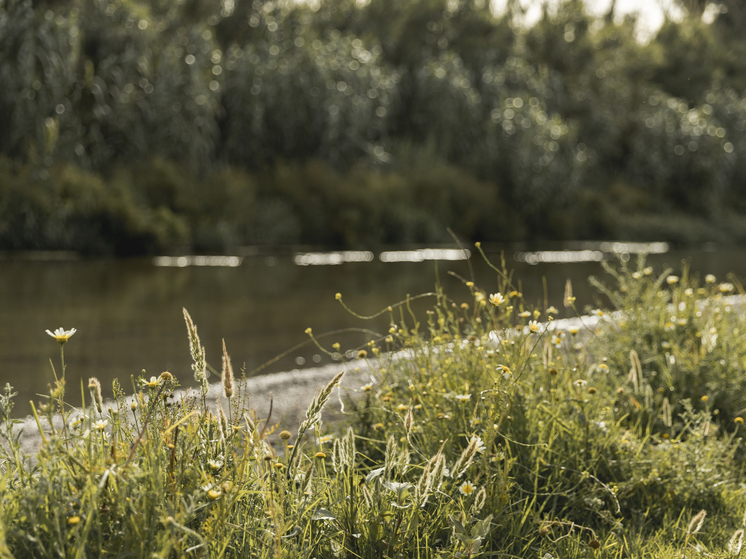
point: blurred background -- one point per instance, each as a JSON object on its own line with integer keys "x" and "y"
{"x": 136, "y": 127}
{"x": 290, "y": 134}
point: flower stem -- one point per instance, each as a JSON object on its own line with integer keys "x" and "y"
{"x": 62, "y": 358}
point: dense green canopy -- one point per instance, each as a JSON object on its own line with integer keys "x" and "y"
{"x": 212, "y": 124}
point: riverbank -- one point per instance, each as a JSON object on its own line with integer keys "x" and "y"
{"x": 487, "y": 427}
{"x": 286, "y": 394}
{"x": 280, "y": 400}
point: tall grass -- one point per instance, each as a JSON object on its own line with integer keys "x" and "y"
{"x": 489, "y": 429}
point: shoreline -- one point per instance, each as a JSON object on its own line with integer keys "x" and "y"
{"x": 290, "y": 393}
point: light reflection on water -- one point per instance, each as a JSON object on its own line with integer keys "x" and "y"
{"x": 128, "y": 312}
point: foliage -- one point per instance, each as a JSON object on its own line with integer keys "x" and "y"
{"x": 553, "y": 120}
{"x": 482, "y": 432}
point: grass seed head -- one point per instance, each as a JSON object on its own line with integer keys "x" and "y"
{"x": 736, "y": 542}
{"x": 466, "y": 458}
{"x": 696, "y": 523}
{"x": 227, "y": 374}
{"x": 95, "y": 387}
{"x": 199, "y": 365}
{"x": 408, "y": 420}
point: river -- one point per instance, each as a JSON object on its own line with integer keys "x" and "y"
{"x": 128, "y": 313}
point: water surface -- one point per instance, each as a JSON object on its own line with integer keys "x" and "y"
{"x": 129, "y": 312}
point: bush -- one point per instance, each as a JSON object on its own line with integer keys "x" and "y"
{"x": 70, "y": 209}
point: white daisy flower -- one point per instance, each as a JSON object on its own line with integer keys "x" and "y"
{"x": 497, "y": 299}
{"x": 467, "y": 488}
{"x": 62, "y": 335}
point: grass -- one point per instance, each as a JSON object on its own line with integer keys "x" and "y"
{"x": 488, "y": 431}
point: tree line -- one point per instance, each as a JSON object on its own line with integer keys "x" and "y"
{"x": 131, "y": 126}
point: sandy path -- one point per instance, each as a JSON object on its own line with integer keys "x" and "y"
{"x": 290, "y": 393}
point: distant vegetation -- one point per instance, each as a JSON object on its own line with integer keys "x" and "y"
{"x": 133, "y": 127}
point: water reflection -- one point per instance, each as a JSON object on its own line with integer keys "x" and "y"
{"x": 128, "y": 312}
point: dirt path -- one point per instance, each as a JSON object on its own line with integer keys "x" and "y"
{"x": 290, "y": 393}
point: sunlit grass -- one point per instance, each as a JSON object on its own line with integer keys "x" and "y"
{"x": 487, "y": 430}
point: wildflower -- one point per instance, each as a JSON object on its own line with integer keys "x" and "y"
{"x": 320, "y": 455}
{"x": 672, "y": 280}
{"x": 481, "y": 447}
{"x": 738, "y": 421}
{"x": 497, "y": 299}
{"x": 325, "y": 439}
{"x": 573, "y": 331}
{"x": 366, "y": 387}
{"x": 504, "y": 370}
{"x": 133, "y": 405}
{"x": 516, "y": 294}
{"x": 100, "y": 425}
{"x": 592, "y": 390}
{"x": 309, "y": 331}
{"x": 604, "y": 367}
{"x": 533, "y": 326}
{"x": 580, "y": 383}
{"x": 598, "y": 312}
{"x": 467, "y": 488}
{"x": 152, "y": 383}
{"x": 62, "y": 335}
{"x": 705, "y": 398}
{"x": 338, "y": 296}
{"x": 465, "y": 306}
{"x": 668, "y": 326}
{"x": 637, "y": 275}
{"x": 73, "y": 520}
{"x": 378, "y": 427}
{"x": 278, "y": 465}
{"x": 552, "y": 310}
{"x": 285, "y": 435}
{"x": 214, "y": 494}
{"x": 726, "y": 287}
{"x": 524, "y": 314}
{"x": 647, "y": 271}
{"x": 402, "y": 407}
{"x": 463, "y": 397}
{"x": 709, "y": 278}
{"x": 469, "y": 284}
{"x": 362, "y": 354}
{"x": 688, "y": 292}
{"x": 214, "y": 464}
